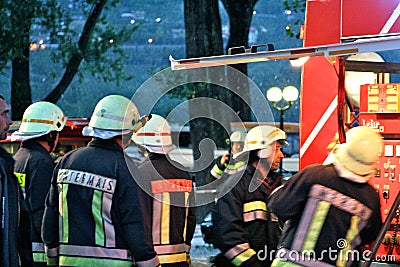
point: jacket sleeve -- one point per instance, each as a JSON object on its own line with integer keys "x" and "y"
{"x": 40, "y": 180}
{"x": 191, "y": 218}
{"x": 217, "y": 170}
{"x": 50, "y": 217}
{"x": 24, "y": 233}
{"x": 136, "y": 231}
{"x": 288, "y": 201}
{"x": 230, "y": 233}
{"x": 370, "y": 231}
{"x": 228, "y": 220}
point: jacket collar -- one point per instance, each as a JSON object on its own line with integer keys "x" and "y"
{"x": 348, "y": 175}
{"x": 106, "y": 144}
{"x": 33, "y": 145}
{"x": 7, "y": 158}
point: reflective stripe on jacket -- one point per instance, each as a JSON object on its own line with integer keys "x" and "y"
{"x": 34, "y": 168}
{"x": 230, "y": 168}
{"x": 328, "y": 217}
{"x": 95, "y": 204}
{"x": 173, "y": 207}
{"x": 243, "y": 226}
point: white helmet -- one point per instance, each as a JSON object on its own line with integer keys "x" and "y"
{"x": 237, "y": 136}
{"x": 39, "y": 119}
{"x": 361, "y": 150}
{"x": 113, "y": 115}
{"x": 155, "y": 135}
{"x": 261, "y": 137}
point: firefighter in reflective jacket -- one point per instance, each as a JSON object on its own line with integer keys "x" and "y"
{"x": 94, "y": 214}
{"x": 173, "y": 211}
{"x": 244, "y": 230}
{"x": 39, "y": 130}
{"x": 331, "y": 209}
{"x": 225, "y": 163}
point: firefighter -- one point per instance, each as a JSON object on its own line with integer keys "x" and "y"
{"x": 330, "y": 209}
{"x": 94, "y": 210}
{"x": 172, "y": 206}
{"x": 244, "y": 230}
{"x": 39, "y": 131}
{"x": 225, "y": 163}
{"x": 10, "y": 196}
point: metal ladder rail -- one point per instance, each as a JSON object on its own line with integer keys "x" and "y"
{"x": 383, "y": 230}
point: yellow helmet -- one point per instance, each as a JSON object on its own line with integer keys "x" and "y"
{"x": 155, "y": 135}
{"x": 361, "y": 150}
{"x": 39, "y": 119}
{"x": 116, "y": 113}
{"x": 261, "y": 137}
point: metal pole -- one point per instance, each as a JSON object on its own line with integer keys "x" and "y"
{"x": 383, "y": 230}
{"x": 281, "y": 126}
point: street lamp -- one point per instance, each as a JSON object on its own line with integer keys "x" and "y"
{"x": 289, "y": 94}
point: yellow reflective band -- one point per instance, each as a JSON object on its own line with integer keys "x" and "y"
{"x": 39, "y": 257}
{"x": 165, "y": 217}
{"x": 217, "y": 170}
{"x": 21, "y": 178}
{"x": 96, "y": 212}
{"x": 187, "y": 211}
{"x": 317, "y": 222}
{"x": 242, "y": 257}
{"x": 236, "y": 165}
{"x": 93, "y": 262}
{"x": 53, "y": 261}
{"x": 283, "y": 263}
{"x": 181, "y": 257}
{"x": 38, "y": 121}
{"x": 351, "y": 234}
{"x": 255, "y": 205}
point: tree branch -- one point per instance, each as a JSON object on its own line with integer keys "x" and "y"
{"x": 78, "y": 55}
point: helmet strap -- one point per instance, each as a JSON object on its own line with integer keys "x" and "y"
{"x": 51, "y": 138}
{"x": 126, "y": 137}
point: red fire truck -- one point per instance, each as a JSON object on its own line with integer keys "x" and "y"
{"x": 70, "y": 137}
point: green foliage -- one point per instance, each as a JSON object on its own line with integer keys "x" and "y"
{"x": 108, "y": 66}
{"x": 56, "y": 23}
{"x": 142, "y": 60}
{"x": 296, "y": 6}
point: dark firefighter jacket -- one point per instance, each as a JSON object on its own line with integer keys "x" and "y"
{"x": 244, "y": 230}
{"x": 34, "y": 169}
{"x": 172, "y": 206}
{"x": 325, "y": 212}
{"x": 94, "y": 210}
{"x": 11, "y": 231}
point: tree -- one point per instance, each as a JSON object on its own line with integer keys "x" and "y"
{"x": 203, "y": 38}
{"x": 240, "y": 15}
{"x": 297, "y": 6}
{"x": 97, "y": 39}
